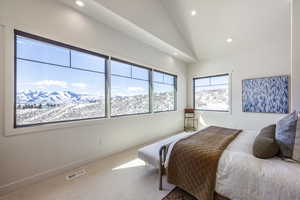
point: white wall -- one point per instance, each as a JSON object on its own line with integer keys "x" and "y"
{"x": 296, "y": 56}
{"x": 31, "y": 156}
{"x": 273, "y": 59}
{"x": 1, "y": 84}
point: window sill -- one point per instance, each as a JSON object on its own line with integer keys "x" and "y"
{"x": 221, "y": 111}
{"x": 73, "y": 124}
{"x": 128, "y": 115}
{"x": 166, "y": 111}
{"x": 51, "y": 126}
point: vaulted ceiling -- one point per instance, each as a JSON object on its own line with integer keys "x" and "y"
{"x": 169, "y": 26}
{"x": 150, "y": 15}
{"x": 145, "y": 20}
{"x": 250, "y": 23}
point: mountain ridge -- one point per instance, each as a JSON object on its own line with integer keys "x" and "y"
{"x": 32, "y": 97}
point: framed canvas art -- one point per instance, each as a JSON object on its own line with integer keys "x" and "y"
{"x": 266, "y": 95}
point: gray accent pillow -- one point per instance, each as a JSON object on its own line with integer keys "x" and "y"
{"x": 286, "y": 133}
{"x": 296, "y": 152}
{"x": 265, "y": 145}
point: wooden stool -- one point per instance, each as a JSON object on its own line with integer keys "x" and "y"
{"x": 190, "y": 115}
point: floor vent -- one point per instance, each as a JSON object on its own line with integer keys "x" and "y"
{"x": 76, "y": 174}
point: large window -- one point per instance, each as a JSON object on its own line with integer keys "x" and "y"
{"x": 212, "y": 93}
{"x": 55, "y": 82}
{"x": 164, "y": 92}
{"x": 130, "y": 89}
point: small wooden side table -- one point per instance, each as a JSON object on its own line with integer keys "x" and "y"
{"x": 190, "y": 115}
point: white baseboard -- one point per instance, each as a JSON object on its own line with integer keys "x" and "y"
{"x": 4, "y": 189}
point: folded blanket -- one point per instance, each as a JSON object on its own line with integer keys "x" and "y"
{"x": 193, "y": 161}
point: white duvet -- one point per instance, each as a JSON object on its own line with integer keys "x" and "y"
{"x": 241, "y": 176}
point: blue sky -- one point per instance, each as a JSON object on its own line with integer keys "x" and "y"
{"x": 214, "y": 80}
{"x": 212, "y": 83}
{"x": 49, "y": 78}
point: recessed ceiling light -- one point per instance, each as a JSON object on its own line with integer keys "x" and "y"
{"x": 193, "y": 13}
{"x": 79, "y": 3}
{"x": 229, "y": 40}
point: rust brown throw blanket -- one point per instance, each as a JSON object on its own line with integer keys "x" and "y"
{"x": 194, "y": 161}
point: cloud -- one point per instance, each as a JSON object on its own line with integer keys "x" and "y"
{"x": 62, "y": 84}
{"x": 130, "y": 91}
{"x": 79, "y": 85}
{"x": 47, "y": 83}
{"x": 135, "y": 89}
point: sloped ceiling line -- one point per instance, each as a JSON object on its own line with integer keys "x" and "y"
{"x": 141, "y": 29}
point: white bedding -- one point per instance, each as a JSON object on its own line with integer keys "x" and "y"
{"x": 241, "y": 176}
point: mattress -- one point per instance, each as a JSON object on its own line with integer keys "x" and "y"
{"x": 241, "y": 176}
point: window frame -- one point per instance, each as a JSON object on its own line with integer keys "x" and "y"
{"x": 10, "y": 59}
{"x": 149, "y": 81}
{"x": 175, "y": 90}
{"x": 59, "y": 44}
{"x": 229, "y": 93}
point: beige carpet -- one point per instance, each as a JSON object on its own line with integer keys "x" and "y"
{"x": 119, "y": 177}
{"x": 178, "y": 194}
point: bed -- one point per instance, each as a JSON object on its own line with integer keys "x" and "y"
{"x": 240, "y": 175}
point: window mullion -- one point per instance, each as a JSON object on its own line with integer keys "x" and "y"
{"x": 70, "y": 57}
{"x": 151, "y": 91}
{"x": 175, "y": 93}
{"x": 108, "y": 88}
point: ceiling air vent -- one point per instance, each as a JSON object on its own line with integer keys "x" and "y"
{"x": 76, "y": 174}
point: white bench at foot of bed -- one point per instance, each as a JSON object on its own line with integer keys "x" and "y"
{"x": 150, "y": 153}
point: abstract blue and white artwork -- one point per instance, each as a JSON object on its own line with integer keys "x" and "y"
{"x": 266, "y": 95}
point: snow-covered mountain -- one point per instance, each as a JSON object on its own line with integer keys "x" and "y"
{"x": 62, "y": 97}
